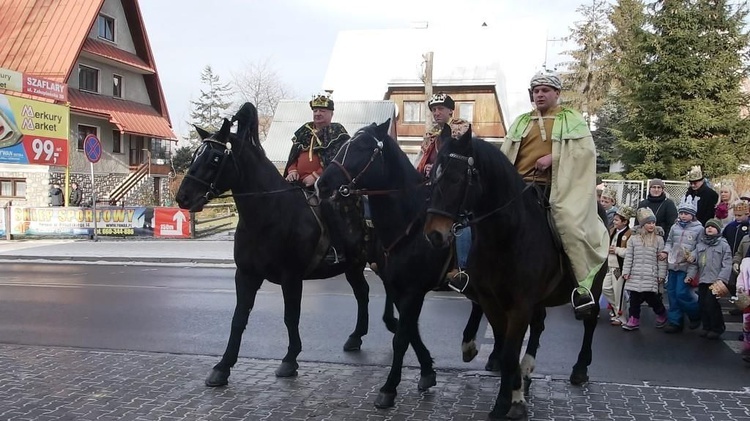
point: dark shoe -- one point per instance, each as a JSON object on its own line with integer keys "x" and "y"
{"x": 703, "y": 333}
{"x": 333, "y": 257}
{"x": 694, "y": 324}
{"x": 673, "y": 329}
{"x": 713, "y": 335}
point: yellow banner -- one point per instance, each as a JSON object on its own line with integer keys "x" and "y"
{"x": 40, "y": 118}
{"x": 10, "y": 80}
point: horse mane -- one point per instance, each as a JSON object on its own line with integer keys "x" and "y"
{"x": 403, "y": 171}
{"x": 248, "y": 126}
{"x": 493, "y": 163}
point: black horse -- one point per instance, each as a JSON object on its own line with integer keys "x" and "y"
{"x": 517, "y": 268}
{"x": 372, "y": 163}
{"x": 279, "y": 236}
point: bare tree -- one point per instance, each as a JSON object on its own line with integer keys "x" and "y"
{"x": 260, "y": 84}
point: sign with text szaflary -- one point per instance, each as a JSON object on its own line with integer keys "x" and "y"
{"x": 33, "y": 132}
{"x": 32, "y": 85}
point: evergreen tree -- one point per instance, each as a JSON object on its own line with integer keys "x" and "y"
{"x": 181, "y": 159}
{"x": 683, "y": 101}
{"x": 210, "y": 109}
{"x": 586, "y": 78}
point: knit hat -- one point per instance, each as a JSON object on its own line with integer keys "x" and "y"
{"x": 646, "y": 215}
{"x": 442, "y": 99}
{"x": 695, "y": 174}
{"x": 689, "y": 204}
{"x": 716, "y": 223}
{"x": 626, "y": 212}
{"x": 656, "y": 182}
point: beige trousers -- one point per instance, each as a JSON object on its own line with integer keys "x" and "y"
{"x": 613, "y": 292}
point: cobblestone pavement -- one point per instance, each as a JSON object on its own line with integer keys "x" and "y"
{"x": 47, "y": 383}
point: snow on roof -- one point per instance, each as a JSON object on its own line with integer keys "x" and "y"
{"x": 364, "y": 62}
{"x": 291, "y": 114}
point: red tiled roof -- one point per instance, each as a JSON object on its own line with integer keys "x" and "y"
{"x": 43, "y": 37}
{"x": 130, "y": 117}
{"x": 103, "y": 49}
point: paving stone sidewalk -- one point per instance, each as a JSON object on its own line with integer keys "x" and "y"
{"x": 48, "y": 383}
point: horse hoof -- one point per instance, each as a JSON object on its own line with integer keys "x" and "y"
{"x": 354, "y": 343}
{"x": 287, "y": 369}
{"x": 469, "y": 351}
{"x": 385, "y": 400}
{"x": 217, "y": 378}
{"x": 426, "y": 381}
{"x": 578, "y": 378}
{"x": 517, "y": 412}
{"x": 492, "y": 365}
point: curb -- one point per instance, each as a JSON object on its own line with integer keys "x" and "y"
{"x": 115, "y": 260}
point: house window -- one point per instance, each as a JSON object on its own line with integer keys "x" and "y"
{"x": 84, "y": 131}
{"x": 160, "y": 149}
{"x": 106, "y": 27}
{"x": 117, "y": 86}
{"x": 465, "y": 111}
{"x": 13, "y": 187}
{"x": 88, "y": 78}
{"x": 116, "y": 142}
{"x": 414, "y": 111}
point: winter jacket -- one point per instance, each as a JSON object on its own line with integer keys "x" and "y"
{"x": 681, "y": 241}
{"x": 75, "y": 197}
{"x": 664, "y": 209}
{"x": 742, "y": 250}
{"x": 734, "y": 232}
{"x": 707, "y": 204}
{"x": 712, "y": 262}
{"x": 642, "y": 263}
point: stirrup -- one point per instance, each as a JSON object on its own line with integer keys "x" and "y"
{"x": 459, "y": 276}
{"x": 586, "y": 306}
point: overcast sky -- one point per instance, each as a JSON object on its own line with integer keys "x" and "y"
{"x": 297, "y": 36}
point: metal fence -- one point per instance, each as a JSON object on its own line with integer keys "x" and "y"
{"x": 631, "y": 192}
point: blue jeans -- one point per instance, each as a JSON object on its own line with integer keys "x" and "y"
{"x": 682, "y": 300}
{"x": 463, "y": 246}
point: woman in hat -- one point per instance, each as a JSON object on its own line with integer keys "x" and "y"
{"x": 612, "y": 289}
{"x": 663, "y": 207}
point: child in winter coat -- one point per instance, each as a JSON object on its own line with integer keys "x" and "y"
{"x": 743, "y": 287}
{"x": 612, "y": 288}
{"x": 681, "y": 242}
{"x": 643, "y": 271}
{"x": 713, "y": 262}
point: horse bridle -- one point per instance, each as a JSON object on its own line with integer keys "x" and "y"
{"x": 345, "y": 190}
{"x": 464, "y": 217}
{"x": 218, "y": 157}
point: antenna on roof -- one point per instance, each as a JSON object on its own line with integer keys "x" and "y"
{"x": 546, "y": 48}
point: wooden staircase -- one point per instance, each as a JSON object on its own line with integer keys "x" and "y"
{"x": 133, "y": 180}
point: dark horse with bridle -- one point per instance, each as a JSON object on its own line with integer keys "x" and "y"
{"x": 372, "y": 163}
{"x": 517, "y": 267}
{"x": 279, "y": 237}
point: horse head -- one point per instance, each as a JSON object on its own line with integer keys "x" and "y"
{"x": 358, "y": 164}
{"x": 455, "y": 188}
{"x": 208, "y": 175}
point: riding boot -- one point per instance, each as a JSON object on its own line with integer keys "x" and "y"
{"x": 334, "y": 222}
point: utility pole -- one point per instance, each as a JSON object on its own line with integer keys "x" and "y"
{"x": 427, "y": 77}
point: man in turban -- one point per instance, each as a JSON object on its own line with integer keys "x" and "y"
{"x": 552, "y": 146}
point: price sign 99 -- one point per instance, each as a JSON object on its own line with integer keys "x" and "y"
{"x": 45, "y": 151}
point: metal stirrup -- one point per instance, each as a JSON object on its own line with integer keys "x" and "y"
{"x": 460, "y": 273}
{"x": 584, "y": 306}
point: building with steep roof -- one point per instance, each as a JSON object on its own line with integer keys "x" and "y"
{"x": 100, "y": 49}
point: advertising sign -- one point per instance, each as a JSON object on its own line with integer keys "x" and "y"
{"x": 32, "y": 85}
{"x": 129, "y": 221}
{"x": 33, "y": 132}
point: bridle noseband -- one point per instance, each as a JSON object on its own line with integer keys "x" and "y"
{"x": 463, "y": 216}
{"x": 218, "y": 158}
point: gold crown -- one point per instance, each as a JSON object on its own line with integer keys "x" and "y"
{"x": 626, "y": 212}
{"x": 741, "y": 207}
{"x": 322, "y": 101}
{"x": 695, "y": 174}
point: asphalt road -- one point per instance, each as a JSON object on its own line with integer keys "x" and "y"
{"x": 187, "y": 311}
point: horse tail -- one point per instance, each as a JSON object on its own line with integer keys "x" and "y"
{"x": 247, "y": 123}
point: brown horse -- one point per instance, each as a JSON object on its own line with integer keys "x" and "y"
{"x": 516, "y": 268}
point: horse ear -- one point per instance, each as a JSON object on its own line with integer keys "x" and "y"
{"x": 202, "y": 133}
{"x": 383, "y": 128}
{"x": 225, "y": 127}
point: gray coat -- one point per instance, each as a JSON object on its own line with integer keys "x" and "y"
{"x": 642, "y": 264}
{"x": 712, "y": 262}
{"x": 680, "y": 241}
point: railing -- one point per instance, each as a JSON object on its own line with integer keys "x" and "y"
{"x": 216, "y": 217}
{"x": 130, "y": 181}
